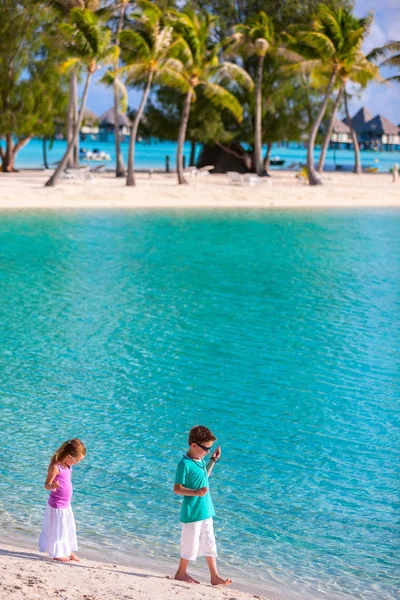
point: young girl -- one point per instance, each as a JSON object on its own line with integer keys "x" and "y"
{"x": 58, "y": 536}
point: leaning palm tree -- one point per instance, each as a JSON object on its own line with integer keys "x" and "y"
{"x": 87, "y": 42}
{"x": 392, "y": 48}
{"x": 146, "y": 54}
{"x": 257, "y": 36}
{"x": 359, "y": 70}
{"x": 328, "y": 134}
{"x": 334, "y": 41}
{"x": 202, "y": 67}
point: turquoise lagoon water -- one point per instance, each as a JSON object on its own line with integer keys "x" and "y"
{"x": 278, "y": 330}
{"x": 152, "y": 155}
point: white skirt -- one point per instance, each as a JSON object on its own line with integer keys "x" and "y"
{"x": 58, "y": 535}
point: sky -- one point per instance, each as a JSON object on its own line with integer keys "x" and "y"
{"x": 381, "y": 99}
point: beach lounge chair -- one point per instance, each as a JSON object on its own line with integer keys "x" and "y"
{"x": 98, "y": 169}
{"x": 236, "y": 178}
{"x": 77, "y": 175}
{"x": 252, "y": 179}
{"x": 205, "y": 171}
{"x": 191, "y": 171}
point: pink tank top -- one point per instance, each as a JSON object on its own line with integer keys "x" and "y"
{"x": 61, "y": 498}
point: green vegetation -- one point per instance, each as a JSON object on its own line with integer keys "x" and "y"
{"x": 215, "y": 72}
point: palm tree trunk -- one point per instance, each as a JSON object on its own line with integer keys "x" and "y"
{"x": 130, "y": 179}
{"x": 9, "y": 155}
{"x": 44, "y": 148}
{"x": 119, "y": 165}
{"x": 72, "y": 113}
{"x": 8, "y": 161}
{"x": 267, "y": 158}
{"x": 312, "y": 175}
{"x": 328, "y": 135}
{"x": 62, "y": 164}
{"x": 75, "y": 154}
{"x": 192, "y": 153}
{"x": 182, "y": 136}
{"x": 357, "y": 157}
{"x": 258, "y": 123}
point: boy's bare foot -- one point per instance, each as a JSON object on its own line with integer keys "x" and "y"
{"x": 74, "y": 557}
{"x": 66, "y": 559}
{"x": 185, "y": 577}
{"x": 219, "y": 581}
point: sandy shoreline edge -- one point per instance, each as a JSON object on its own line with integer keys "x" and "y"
{"x": 25, "y": 574}
{"x": 25, "y": 190}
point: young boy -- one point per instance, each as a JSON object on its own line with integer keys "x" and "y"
{"x": 191, "y": 481}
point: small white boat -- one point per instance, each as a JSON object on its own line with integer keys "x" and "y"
{"x": 94, "y": 154}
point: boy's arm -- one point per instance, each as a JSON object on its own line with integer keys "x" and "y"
{"x": 214, "y": 458}
{"x": 184, "y": 491}
{"x": 50, "y": 484}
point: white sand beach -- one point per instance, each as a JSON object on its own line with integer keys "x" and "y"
{"x": 27, "y": 575}
{"x": 25, "y": 190}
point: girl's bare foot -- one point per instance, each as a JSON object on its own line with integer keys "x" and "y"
{"x": 74, "y": 557}
{"x": 185, "y": 577}
{"x": 66, "y": 559}
{"x": 219, "y": 581}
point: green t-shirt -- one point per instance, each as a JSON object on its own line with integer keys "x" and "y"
{"x": 193, "y": 475}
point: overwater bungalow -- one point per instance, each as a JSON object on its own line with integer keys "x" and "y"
{"x": 106, "y": 125}
{"x": 383, "y": 132}
{"x": 341, "y": 135}
{"x": 375, "y": 133}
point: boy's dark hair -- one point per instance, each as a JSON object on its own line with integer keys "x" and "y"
{"x": 201, "y": 434}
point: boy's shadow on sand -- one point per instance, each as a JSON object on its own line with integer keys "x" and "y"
{"x": 39, "y": 558}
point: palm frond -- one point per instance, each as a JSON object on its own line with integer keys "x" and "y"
{"x": 163, "y": 41}
{"x": 173, "y": 79}
{"x": 228, "y": 71}
{"x": 222, "y": 99}
{"x": 383, "y": 51}
{"x": 392, "y": 61}
{"x": 181, "y": 50}
{"x": 134, "y": 46}
{"x": 85, "y": 22}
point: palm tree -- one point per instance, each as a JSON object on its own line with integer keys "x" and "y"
{"x": 361, "y": 71}
{"x": 64, "y": 8}
{"x": 391, "y": 61}
{"x": 87, "y": 42}
{"x": 145, "y": 52}
{"x": 333, "y": 43}
{"x": 119, "y": 165}
{"x": 202, "y": 67}
{"x": 258, "y": 37}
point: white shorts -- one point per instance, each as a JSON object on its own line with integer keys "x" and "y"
{"x": 197, "y": 539}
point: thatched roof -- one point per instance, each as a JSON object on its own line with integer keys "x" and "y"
{"x": 340, "y": 127}
{"x": 107, "y": 118}
{"x": 89, "y": 117}
{"x": 360, "y": 120}
{"x": 381, "y": 125}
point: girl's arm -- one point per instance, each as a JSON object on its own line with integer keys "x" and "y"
{"x": 214, "y": 458}
{"x": 50, "y": 484}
